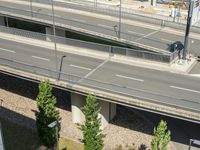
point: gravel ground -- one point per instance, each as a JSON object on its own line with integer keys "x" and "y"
{"x": 19, "y": 106}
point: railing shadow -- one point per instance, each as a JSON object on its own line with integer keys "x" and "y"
{"x": 30, "y": 90}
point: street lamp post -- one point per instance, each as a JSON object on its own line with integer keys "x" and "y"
{"x": 55, "y": 125}
{"x": 120, "y": 17}
{"x": 61, "y": 62}
{"x": 54, "y": 36}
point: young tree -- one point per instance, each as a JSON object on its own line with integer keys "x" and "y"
{"x": 92, "y": 136}
{"x": 46, "y": 114}
{"x": 161, "y": 137}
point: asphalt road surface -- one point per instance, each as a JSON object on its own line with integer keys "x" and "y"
{"x": 157, "y": 37}
{"x": 150, "y": 85}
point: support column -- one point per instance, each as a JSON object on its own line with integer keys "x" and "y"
{"x": 2, "y": 21}
{"x": 49, "y": 33}
{"x": 152, "y": 2}
{"x": 108, "y": 110}
{"x": 77, "y": 101}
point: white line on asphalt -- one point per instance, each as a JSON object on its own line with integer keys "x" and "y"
{"x": 78, "y": 20}
{"x": 80, "y": 67}
{"x": 41, "y": 58}
{"x": 135, "y": 33}
{"x": 105, "y": 26}
{"x": 121, "y": 76}
{"x": 91, "y": 72}
{"x": 194, "y": 75}
{"x": 180, "y": 88}
{"x": 167, "y": 40}
{"x": 147, "y": 35}
{"x": 7, "y": 50}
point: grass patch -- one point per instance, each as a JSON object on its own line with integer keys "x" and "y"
{"x": 16, "y": 137}
{"x": 66, "y": 144}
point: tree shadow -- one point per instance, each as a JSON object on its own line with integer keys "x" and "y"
{"x": 30, "y": 90}
{"x": 18, "y": 131}
{"x": 142, "y": 147}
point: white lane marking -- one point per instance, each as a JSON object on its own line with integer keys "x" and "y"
{"x": 185, "y": 89}
{"x": 147, "y": 35}
{"x": 80, "y": 67}
{"x": 78, "y": 20}
{"x": 194, "y": 75}
{"x": 91, "y": 72}
{"x": 167, "y": 40}
{"x": 41, "y": 58}
{"x": 135, "y": 33}
{"x": 7, "y": 50}
{"x": 105, "y": 26}
{"x": 126, "y": 77}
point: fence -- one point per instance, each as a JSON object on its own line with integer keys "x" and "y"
{"x": 92, "y": 46}
{"x": 126, "y": 13}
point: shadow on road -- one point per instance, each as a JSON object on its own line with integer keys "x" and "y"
{"x": 30, "y": 90}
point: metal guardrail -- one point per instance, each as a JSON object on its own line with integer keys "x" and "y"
{"x": 138, "y": 53}
{"x": 91, "y": 83}
{"x": 126, "y": 13}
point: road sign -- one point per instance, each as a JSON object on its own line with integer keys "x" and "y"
{"x": 195, "y": 11}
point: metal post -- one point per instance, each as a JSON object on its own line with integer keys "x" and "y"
{"x": 7, "y": 22}
{"x": 61, "y": 62}
{"x": 187, "y": 30}
{"x": 54, "y": 37}
{"x": 57, "y": 136}
{"x": 31, "y": 6}
{"x": 190, "y": 144}
{"x": 120, "y": 13}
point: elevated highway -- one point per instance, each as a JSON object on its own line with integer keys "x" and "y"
{"x": 133, "y": 33}
{"x": 163, "y": 92}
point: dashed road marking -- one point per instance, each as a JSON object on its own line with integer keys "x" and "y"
{"x": 131, "y": 78}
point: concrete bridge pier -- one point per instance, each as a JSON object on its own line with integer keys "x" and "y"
{"x": 2, "y": 21}
{"x": 108, "y": 110}
{"x": 49, "y": 33}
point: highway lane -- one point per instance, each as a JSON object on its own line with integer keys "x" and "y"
{"x": 152, "y": 37}
{"x": 147, "y": 84}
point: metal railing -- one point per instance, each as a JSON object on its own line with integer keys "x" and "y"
{"x": 138, "y": 53}
{"x": 128, "y": 13}
{"x": 83, "y": 27}
{"x": 94, "y": 84}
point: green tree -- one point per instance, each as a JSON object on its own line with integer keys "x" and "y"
{"x": 46, "y": 114}
{"x": 161, "y": 137}
{"x": 92, "y": 136}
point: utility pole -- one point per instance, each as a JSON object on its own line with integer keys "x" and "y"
{"x": 120, "y": 17}
{"x": 54, "y": 37}
{"x": 187, "y": 31}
